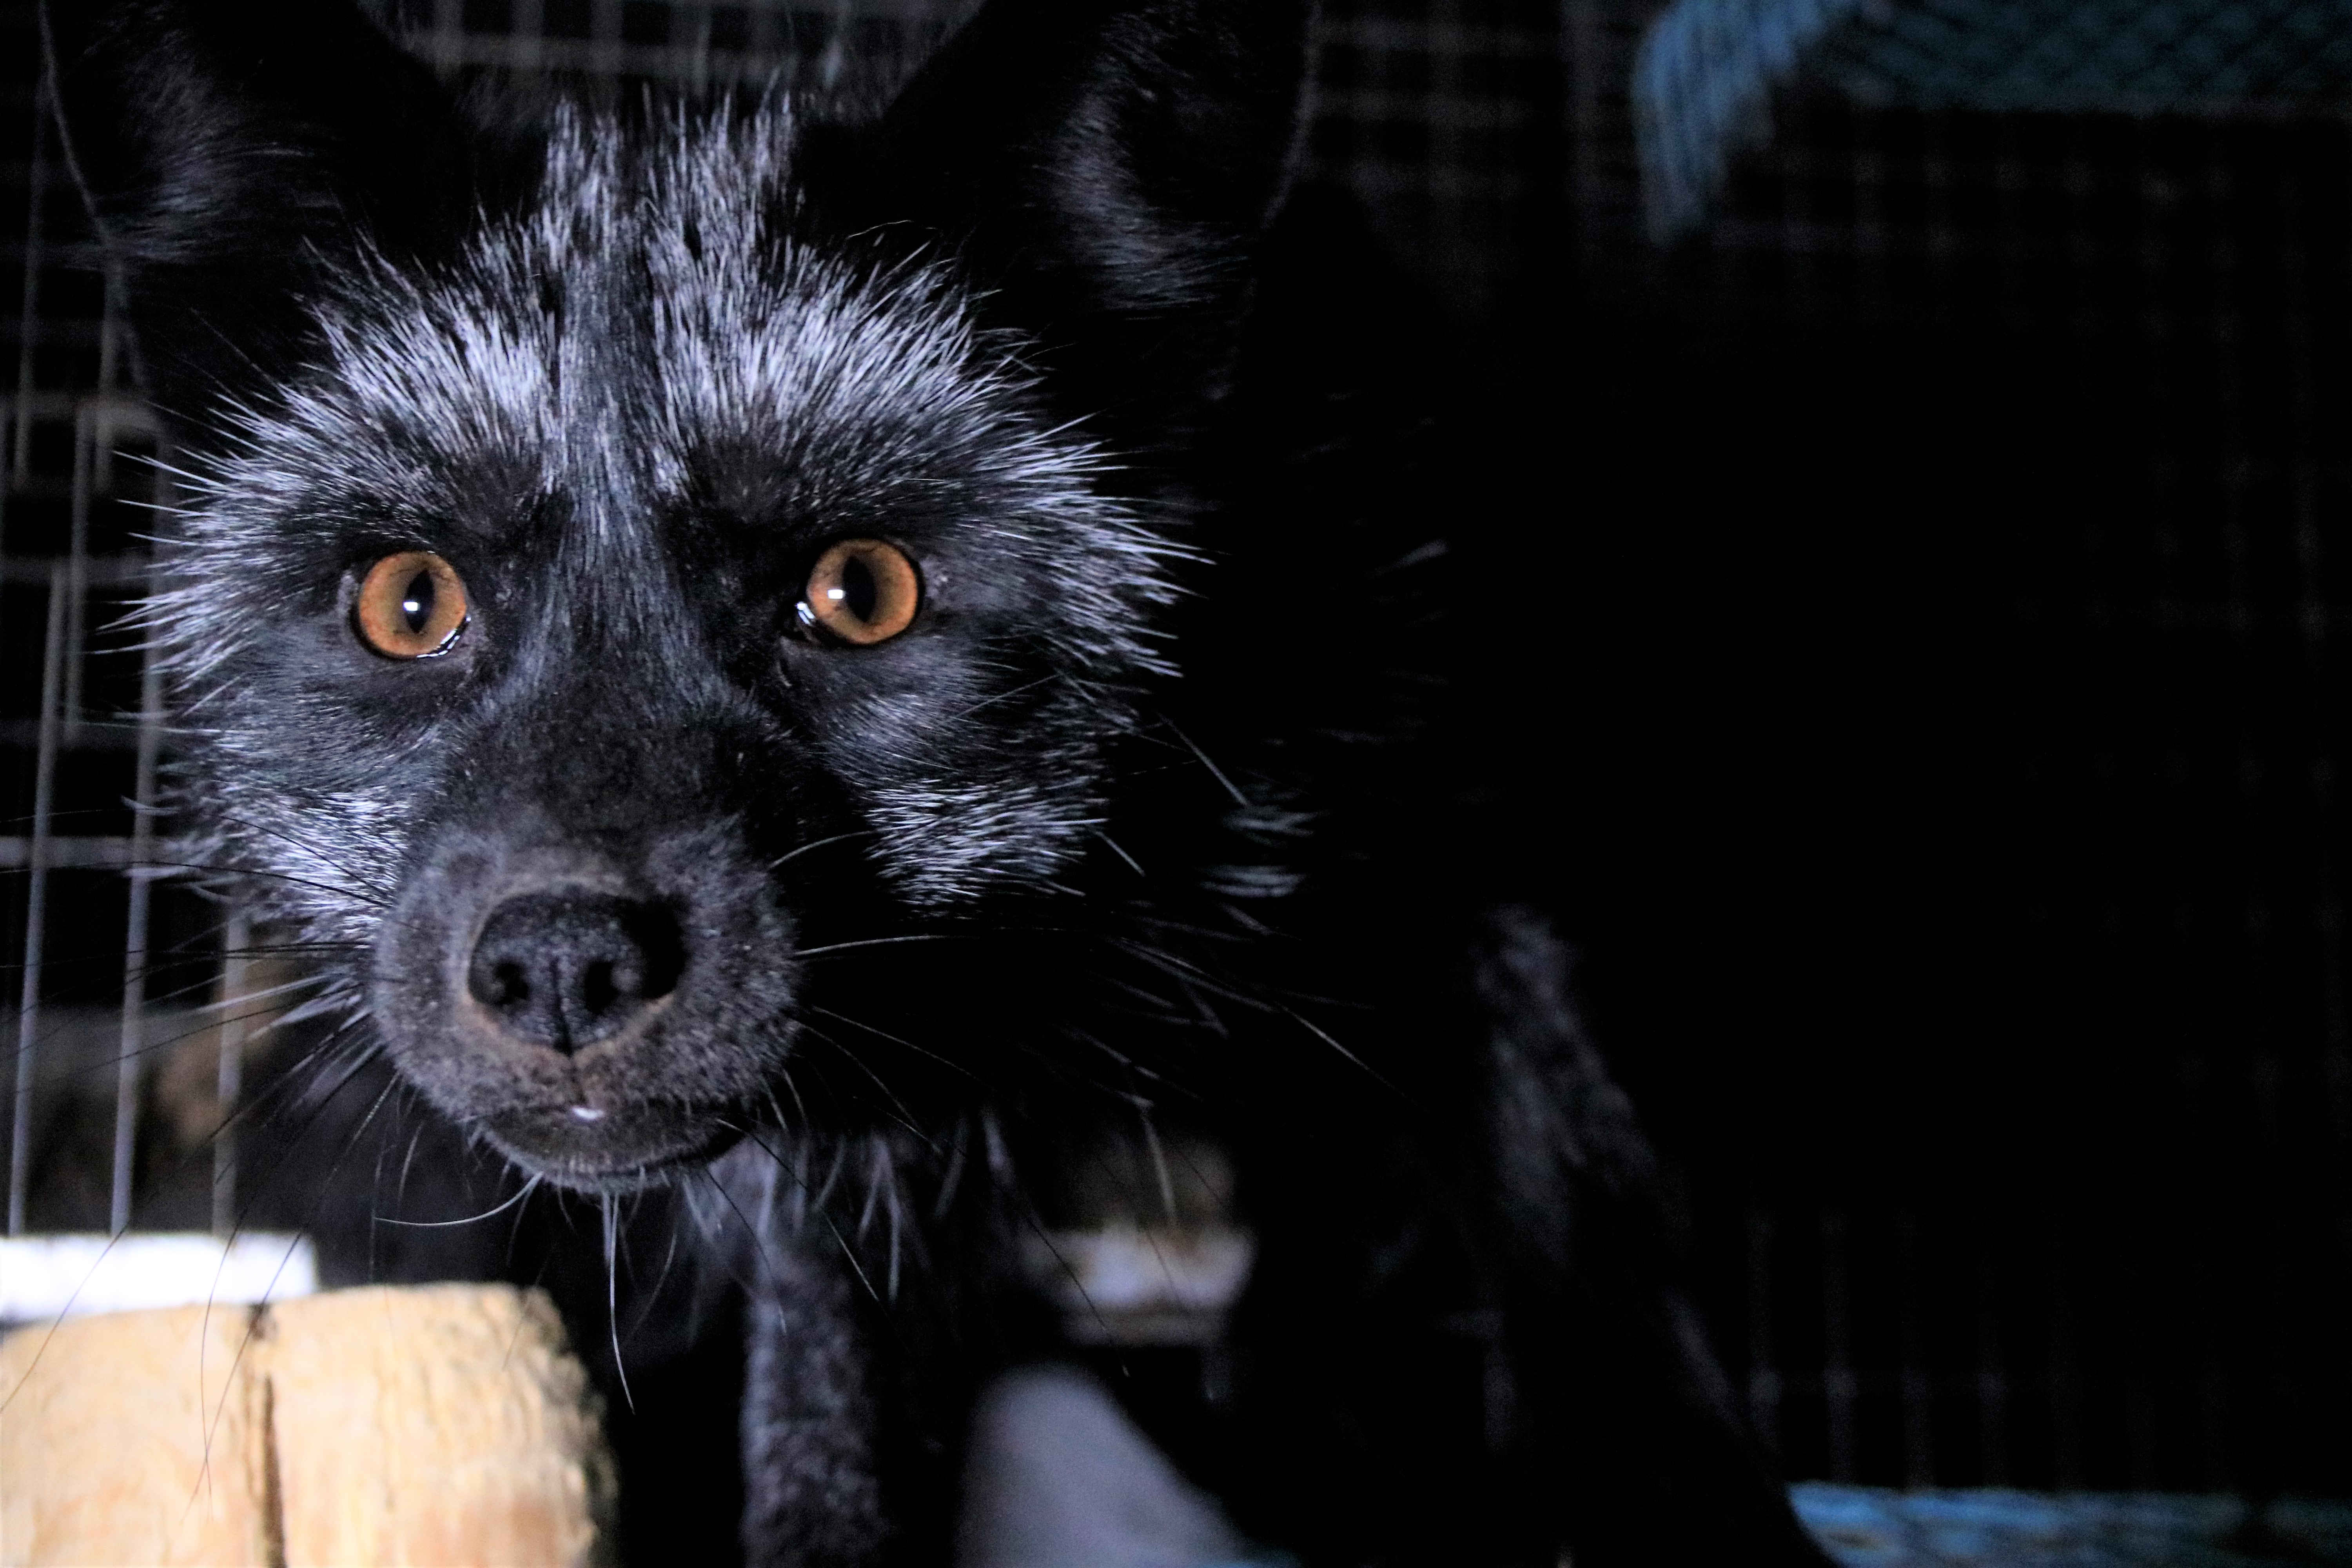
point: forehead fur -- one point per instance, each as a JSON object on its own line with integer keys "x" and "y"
{"x": 658, "y": 289}
{"x": 655, "y": 325}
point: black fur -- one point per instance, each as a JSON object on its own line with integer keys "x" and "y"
{"x": 1148, "y": 822}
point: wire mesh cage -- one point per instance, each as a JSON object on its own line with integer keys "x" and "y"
{"x": 2026, "y": 351}
{"x": 2149, "y": 314}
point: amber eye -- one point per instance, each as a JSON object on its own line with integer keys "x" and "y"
{"x": 862, "y": 591}
{"x": 411, "y": 605}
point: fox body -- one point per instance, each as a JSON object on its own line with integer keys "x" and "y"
{"x": 828, "y": 662}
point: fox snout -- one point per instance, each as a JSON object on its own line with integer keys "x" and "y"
{"x": 605, "y": 1013}
{"x": 565, "y": 969}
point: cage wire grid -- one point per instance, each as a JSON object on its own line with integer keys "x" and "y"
{"x": 2047, "y": 412}
{"x": 2037, "y": 1322}
{"x": 2117, "y": 345}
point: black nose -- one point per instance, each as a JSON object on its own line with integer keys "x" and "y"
{"x": 564, "y": 970}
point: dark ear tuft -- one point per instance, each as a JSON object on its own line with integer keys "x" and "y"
{"x": 1107, "y": 166}
{"x": 233, "y": 151}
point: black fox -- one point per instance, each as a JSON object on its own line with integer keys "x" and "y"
{"x": 831, "y": 661}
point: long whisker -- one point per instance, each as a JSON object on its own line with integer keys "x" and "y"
{"x": 885, "y": 1034}
{"x": 1004, "y": 696}
{"x": 264, "y": 874}
{"x": 529, "y": 1187}
{"x": 790, "y": 855}
{"x": 611, "y": 1211}
{"x": 901, "y": 1113}
{"x": 878, "y": 941}
{"x": 382, "y": 897}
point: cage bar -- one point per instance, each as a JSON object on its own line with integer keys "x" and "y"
{"x": 20, "y": 452}
{"x": 37, "y": 891}
{"x": 140, "y": 873}
{"x": 236, "y": 952}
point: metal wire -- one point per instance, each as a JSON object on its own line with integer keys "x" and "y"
{"x": 236, "y": 945}
{"x": 140, "y": 871}
{"x": 36, "y": 897}
{"x": 36, "y": 174}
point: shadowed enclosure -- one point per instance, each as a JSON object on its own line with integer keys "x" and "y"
{"x": 1925, "y": 626}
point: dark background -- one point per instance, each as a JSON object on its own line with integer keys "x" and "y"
{"x": 1924, "y": 600}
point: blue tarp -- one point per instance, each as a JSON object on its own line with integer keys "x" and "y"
{"x": 1704, "y": 77}
{"x": 1866, "y": 1526}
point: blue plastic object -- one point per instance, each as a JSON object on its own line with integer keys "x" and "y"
{"x": 1706, "y": 70}
{"x": 1866, "y": 1526}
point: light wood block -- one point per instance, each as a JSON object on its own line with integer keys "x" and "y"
{"x": 435, "y": 1425}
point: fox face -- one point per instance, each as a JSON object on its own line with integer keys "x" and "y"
{"x": 653, "y": 561}
{"x": 774, "y": 610}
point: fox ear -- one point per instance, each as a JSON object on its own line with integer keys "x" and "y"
{"x": 1107, "y": 167}
{"x": 234, "y": 153}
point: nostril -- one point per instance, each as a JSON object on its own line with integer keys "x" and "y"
{"x": 566, "y": 969}
{"x": 597, "y": 986}
{"x": 509, "y": 985}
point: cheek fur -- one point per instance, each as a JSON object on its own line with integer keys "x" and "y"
{"x": 966, "y": 793}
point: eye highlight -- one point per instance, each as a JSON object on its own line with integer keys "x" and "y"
{"x": 861, "y": 591}
{"x": 410, "y": 606}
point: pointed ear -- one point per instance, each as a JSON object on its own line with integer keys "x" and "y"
{"x": 234, "y": 153}
{"x": 1107, "y": 167}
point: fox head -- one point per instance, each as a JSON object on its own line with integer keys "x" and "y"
{"x": 632, "y": 565}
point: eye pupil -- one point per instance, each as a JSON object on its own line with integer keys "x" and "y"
{"x": 857, "y": 592}
{"x": 417, "y": 602}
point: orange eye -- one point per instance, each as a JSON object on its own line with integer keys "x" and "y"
{"x": 862, "y": 591}
{"x": 411, "y": 605}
